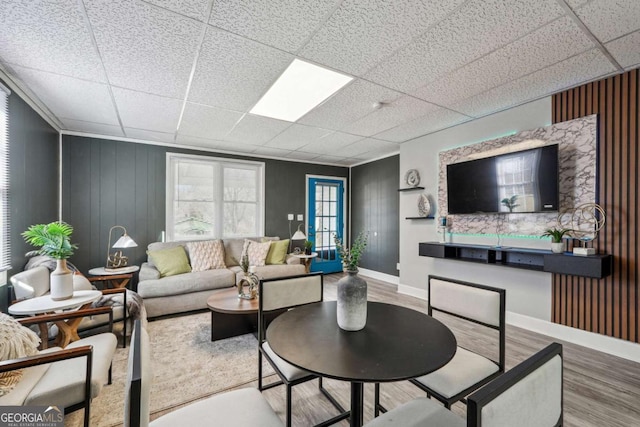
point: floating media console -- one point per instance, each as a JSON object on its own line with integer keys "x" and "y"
{"x": 596, "y": 266}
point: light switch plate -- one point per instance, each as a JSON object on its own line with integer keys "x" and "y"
{"x": 300, "y": 217}
{"x": 290, "y": 217}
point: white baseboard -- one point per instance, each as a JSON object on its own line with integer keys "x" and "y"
{"x": 614, "y": 346}
{"x": 394, "y": 280}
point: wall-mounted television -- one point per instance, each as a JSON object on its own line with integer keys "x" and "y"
{"x": 520, "y": 182}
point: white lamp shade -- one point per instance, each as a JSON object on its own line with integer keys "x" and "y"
{"x": 125, "y": 242}
{"x": 299, "y": 235}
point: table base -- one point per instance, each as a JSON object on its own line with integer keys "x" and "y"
{"x": 226, "y": 325}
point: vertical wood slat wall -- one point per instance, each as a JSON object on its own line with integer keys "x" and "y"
{"x": 608, "y": 306}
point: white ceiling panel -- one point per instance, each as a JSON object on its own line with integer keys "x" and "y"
{"x": 49, "y": 36}
{"x": 196, "y": 9}
{"x": 577, "y": 3}
{"x": 144, "y": 47}
{"x": 297, "y": 136}
{"x": 207, "y": 122}
{"x": 233, "y": 72}
{"x": 195, "y": 141}
{"x": 285, "y": 24}
{"x": 149, "y": 135}
{"x": 429, "y": 123}
{"x": 362, "y": 32}
{"x": 523, "y": 56}
{"x": 271, "y": 152}
{"x": 478, "y": 28}
{"x": 332, "y": 143}
{"x": 333, "y": 160}
{"x": 390, "y": 115}
{"x": 301, "y": 155}
{"x": 144, "y": 111}
{"x": 609, "y": 19}
{"x": 256, "y": 129}
{"x": 585, "y": 67}
{"x": 361, "y": 148}
{"x": 348, "y": 105}
{"x": 626, "y": 50}
{"x": 71, "y": 98}
{"x": 91, "y": 127}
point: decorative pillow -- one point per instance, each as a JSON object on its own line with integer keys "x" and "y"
{"x": 277, "y": 252}
{"x": 15, "y": 341}
{"x": 257, "y": 252}
{"x": 170, "y": 261}
{"x": 206, "y": 255}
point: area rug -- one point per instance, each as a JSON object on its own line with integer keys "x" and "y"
{"x": 186, "y": 366}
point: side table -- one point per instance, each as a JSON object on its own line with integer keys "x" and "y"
{"x": 306, "y": 260}
{"x": 117, "y": 279}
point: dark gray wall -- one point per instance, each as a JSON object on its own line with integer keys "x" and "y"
{"x": 109, "y": 182}
{"x": 33, "y": 177}
{"x": 375, "y": 207}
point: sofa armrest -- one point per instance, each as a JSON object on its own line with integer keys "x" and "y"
{"x": 292, "y": 260}
{"x": 148, "y": 272}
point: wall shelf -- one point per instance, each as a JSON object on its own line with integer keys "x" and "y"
{"x": 419, "y": 217}
{"x": 410, "y": 189}
{"x": 595, "y": 266}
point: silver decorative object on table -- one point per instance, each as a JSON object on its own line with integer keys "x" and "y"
{"x": 412, "y": 178}
{"x": 424, "y": 205}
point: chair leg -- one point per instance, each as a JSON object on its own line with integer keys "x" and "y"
{"x": 87, "y": 412}
{"x": 110, "y": 373}
{"x": 259, "y": 370}
{"x": 376, "y": 400}
{"x": 289, "y": 405}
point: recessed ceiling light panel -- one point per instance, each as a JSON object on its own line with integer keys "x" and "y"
{"x": 301, "y": 87}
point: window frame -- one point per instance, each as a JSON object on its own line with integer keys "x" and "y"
{"x": 173, "y": 159}
{"x": 5, "y": 210}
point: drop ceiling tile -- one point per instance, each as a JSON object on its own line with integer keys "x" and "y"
{"x": 144, "y": 47}
{"x": 400, "y": 111}
{"x": 576, "y": 3}
{"x": 234, "y": 72}
{"x": 577, "y": 70}
{"x": 70, "y": 97}
{"x": 524, "y": 56}
{"x": 271, "y": 151}
{"x": 348, "y": 105}
{"x": 333, "y": 160}
{"x": 297, "y": 136}
{"x": 331, "y": 143}
{"x": 235, "y": 147}
{"x": 285, "y": 24}
{"x": 149, "y": 135}
{"x": 207, "y": 122}
{"x": 360, "y": 33}
{"x": 256, "y": 129}
{"x": 626, "y": 50}
{"x": 608, "y": 19}
{"x": 301, "y": 155}
{"x": 361, "y": 148}
{"x": 196, "y": 9}
{"x": 90, "y": 127}
{"x": 477, "y": 28}
{"x": 144, "y": 111}
{"x": 49, "y": 36}
{"x": 213, "y": 144}
{"x": 429, "y": 123}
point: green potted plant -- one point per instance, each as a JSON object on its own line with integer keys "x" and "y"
{"x": 54, "y": 240}
{"x": 556, "y": 234}
{"x": 352, "y": 290}
{"x": 308, "y": 246}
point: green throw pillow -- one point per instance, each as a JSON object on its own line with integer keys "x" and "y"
{"x": 170, "y": 261}
{"x": 277, "y": 252}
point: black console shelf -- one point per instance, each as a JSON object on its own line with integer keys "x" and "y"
{"x": 595, "y": 266}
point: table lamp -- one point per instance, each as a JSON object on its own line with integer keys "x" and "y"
{"x": 298, "y": 235}
{"x": 117, "y": 259}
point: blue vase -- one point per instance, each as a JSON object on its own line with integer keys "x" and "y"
{"x": 352, "y": 301}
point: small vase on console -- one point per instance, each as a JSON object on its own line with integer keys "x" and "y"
{"x": 352, "y": 301}
{"x": 557, "y": 247}
{"x": 61, "y": 281}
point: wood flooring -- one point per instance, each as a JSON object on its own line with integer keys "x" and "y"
{"x": 600, "y": 390}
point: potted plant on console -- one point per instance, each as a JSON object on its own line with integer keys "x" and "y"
{"x": 556, "y": 234}
{"x": 54, "y": 240}
{"x": 352, "y": 290}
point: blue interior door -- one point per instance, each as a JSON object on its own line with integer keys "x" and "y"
{"x": 326, "y": 218}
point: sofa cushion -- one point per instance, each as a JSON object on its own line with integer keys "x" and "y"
{"x": 233, "y": 249}
{"x": 170, "y": 261}
{"x": 206, "y": 255}
{"x": 186, "y": 283}
{"x": 31, "y": 283}
{"x": 30, "y": 377}
{"x": 256, "y": 252}
{"x": 277, "y": 252}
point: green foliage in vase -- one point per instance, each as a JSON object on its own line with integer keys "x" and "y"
{"x": 244, "y": 263}
{"x": 53, "y": 240}
{"x": 351, "y": 256}
{"x": 308, "y": 244}
{"x": 510, "y": 202}
{"x": 557, "y": 234}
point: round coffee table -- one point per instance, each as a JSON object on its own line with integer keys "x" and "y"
{"x": 232, "y": 316}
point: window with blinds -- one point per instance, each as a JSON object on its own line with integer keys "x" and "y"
{"x": 5, "y": 253}
{"x": 210, "y": 197}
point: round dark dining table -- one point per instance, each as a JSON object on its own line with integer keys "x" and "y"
{"x": 396, "y": 344}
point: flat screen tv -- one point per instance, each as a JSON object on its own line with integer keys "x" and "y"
{"x": 521, "y": 182}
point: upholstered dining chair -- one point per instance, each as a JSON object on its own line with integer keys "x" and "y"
{"x": 529, "y": 395}
{"x": 467, "y": 371}
{"x": 275, "y": 297}
{"x": 239, "y": 408}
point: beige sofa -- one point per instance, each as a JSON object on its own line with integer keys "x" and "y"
{"x": 189, "y": 291}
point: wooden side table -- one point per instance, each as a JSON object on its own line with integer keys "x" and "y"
{"x": 116, "y": 279}
{"x": 306, "y": 260}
